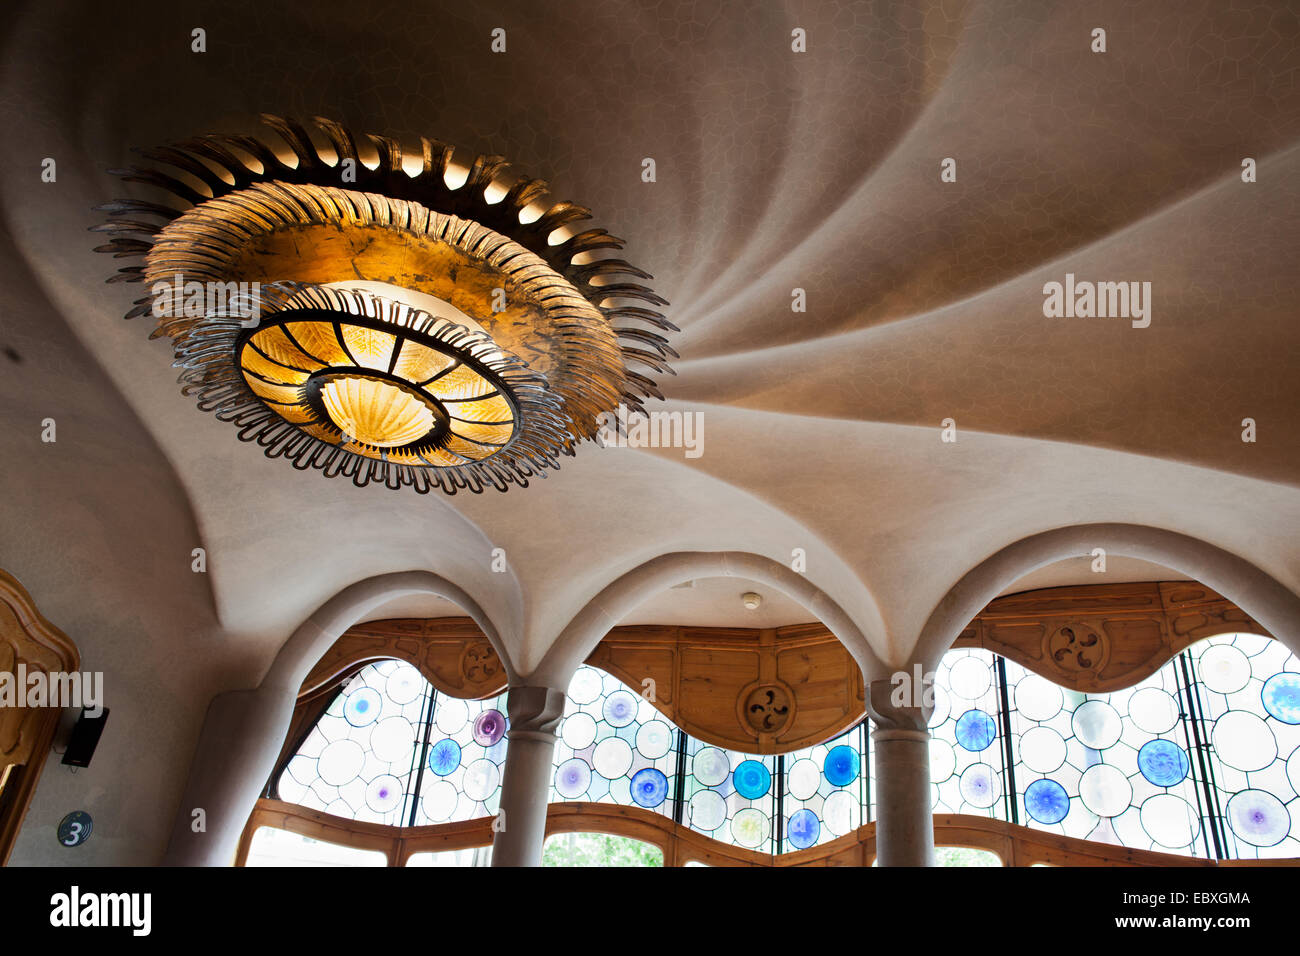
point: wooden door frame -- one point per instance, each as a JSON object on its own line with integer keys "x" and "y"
{"x": 27, "y": 755}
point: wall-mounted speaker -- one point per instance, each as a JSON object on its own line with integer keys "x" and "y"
{"x": 84, "y": 739}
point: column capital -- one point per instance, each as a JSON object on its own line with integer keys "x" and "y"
{"x": 534, "y": 711}
{"x": 894, "y": 704}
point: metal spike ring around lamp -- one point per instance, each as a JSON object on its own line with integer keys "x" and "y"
{"x": 553, "y": 355}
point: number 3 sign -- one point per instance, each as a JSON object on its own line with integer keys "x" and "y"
{"x": 74, "y": 829}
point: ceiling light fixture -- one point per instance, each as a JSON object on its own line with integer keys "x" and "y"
{"x": 402, "y": 330}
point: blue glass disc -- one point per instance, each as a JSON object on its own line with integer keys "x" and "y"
{"x": 804, "y": 828}
{"x": 572, "y": 778}
{"x": 362, "y": 707}
{"x": 841, "y": 765}
{"x": 976, "y": 730}
{"x": 1258, "y": 817}
{"x": 649, "y": 787}
{"x": 751, "y": 779}
{"x": 444, "y": 756}
{"x": 1281, "y": 697}
{"x": 620, "y": 708}
{"x": 1046, "y": 801}
{"x": 1163, "y": 762}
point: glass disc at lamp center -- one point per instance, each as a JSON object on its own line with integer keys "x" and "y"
{"x": 1258, "y": 817}
{"x": 804, "y": 828}
{"x": 1096, "y": 724}
{"x": 711, "y": 766}
{"x": 376, "y": 412}
{"x": 572, "y": 778}
{"x": 752, "y": 779}
{"x": 750, "y": 828}
{"x": 654, "y": 739}
{"x": 612, "y": 758}
{"x": 803, "y": 778}
{"x": 842, "y": 765}
{"x": 649, "y": 787}
{"x": 620, "y": 708}
{"x": 708, "y": 810}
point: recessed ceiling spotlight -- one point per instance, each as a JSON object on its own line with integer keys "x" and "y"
{"x": 393, "y": 326}
{"x": 752, "y": 599}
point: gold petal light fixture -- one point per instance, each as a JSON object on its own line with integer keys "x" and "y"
{"x": 402, "y": 330}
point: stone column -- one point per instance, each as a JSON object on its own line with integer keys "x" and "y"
{"x": 525, "y": 785}
{"x": 904, "y": 822}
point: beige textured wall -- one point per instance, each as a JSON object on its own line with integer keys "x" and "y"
{"x": 98, "y": 530}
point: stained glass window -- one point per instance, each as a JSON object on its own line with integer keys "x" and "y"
{"x": 1201, "y": 758}
{"x": 966, "y": 744}
{"x": 1107, "y": 767}
{"x": 731, "y": 796}
{"x": 614, "y": 747}
{"x": 825, "y": 790}
{"x": 388, "y": 734}
{"x": 465, "y": 759}
{"x": 1247, "y": 691}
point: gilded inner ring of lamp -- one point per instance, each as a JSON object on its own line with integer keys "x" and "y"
{"x": 377, "y": 389}
{"x": 324, "y": 253}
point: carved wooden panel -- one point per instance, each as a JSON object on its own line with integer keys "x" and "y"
{"x": 1015, "y": 845}
{"x": 758, "y": 691}
{"x": 1099, "y": 638}
{"x": 451, "y": 653}
{"x": 26, "y": 639}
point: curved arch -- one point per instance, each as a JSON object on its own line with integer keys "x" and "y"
{"x": 622, "y": 595}
{"x": 327, "y": 623}
{"x": 1261, "y": 596}
{"x": 244, "y": 729}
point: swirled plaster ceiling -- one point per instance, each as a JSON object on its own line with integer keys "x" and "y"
{"x": 775, "y": 170}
